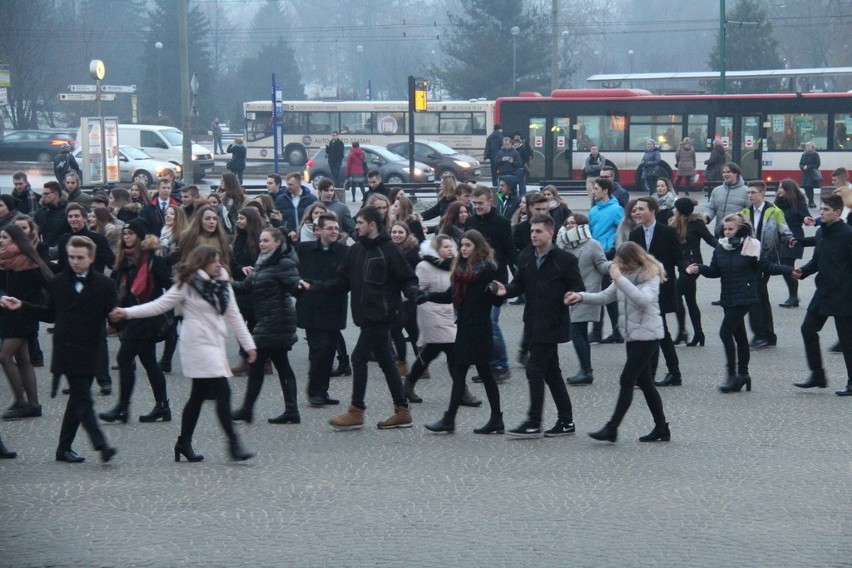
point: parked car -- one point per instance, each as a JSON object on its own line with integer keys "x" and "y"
{"x": 393, "y": 167}
{"x": 134, "y": 164}
{"x": 441, "y": 157}
{"x": 33, "y": 145}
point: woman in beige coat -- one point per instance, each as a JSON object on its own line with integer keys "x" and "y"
{"x": 202, "y": 288}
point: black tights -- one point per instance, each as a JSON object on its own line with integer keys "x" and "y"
{"x": 686, "y": 289}
{"x": 285, "y": 376}
{"x": 458, "y": 372}
{"x": 637, "y": 371}
{"x": 207, "y": 389}
{"x": 427, "y": 354}
{"x": 735, "y": 339}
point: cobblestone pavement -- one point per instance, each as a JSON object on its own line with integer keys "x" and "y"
{"x": 749, "y": 479}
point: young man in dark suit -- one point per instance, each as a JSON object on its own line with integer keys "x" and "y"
{"x": 662, "y": 242}
{"x": 78, "y": 302}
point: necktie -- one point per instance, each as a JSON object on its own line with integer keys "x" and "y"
{"x": 163, "y": 205}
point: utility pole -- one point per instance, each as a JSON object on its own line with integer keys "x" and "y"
{"x": 723, "y": 40}
{"x": 185, "y": 117}
{"x": 554, "y": 45}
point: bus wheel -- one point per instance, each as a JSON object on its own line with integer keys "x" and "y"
{"x": 296, "y": 154}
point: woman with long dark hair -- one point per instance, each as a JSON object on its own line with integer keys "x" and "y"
{"x": 140, "y": 276}
{"x": 402, "y": 210}
{"x": 139, "y": 194}
{"x": 636, "y": 278}
{"x": 232, "y": 196}
{"x": 244, "y": 251}
{"x": 454, "y": 220}
{"x": 202, "y": 287}
{"x": 23, "y": 274}
{"x": 271, "y": 284}
{"x": 470, "y": 294}
{"x": 736, "y": 260}
{"x": 205, "y": 228}
{"x": 174, "y": 224}
{"x": 790, "y": 199}
{"x": 691, "y": 229}
{"x": 401, "y": 236}
{"x": 102, "y": 222}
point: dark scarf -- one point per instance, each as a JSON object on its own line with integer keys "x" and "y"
{"x": 215, "y": 292}
{"x": 462, "y": 279}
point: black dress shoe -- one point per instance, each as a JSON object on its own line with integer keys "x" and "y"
{"x": 606, "y": 434}
{"x": 760, "y": 343}
{"x": 716, "y": 303}
{"x": 107, "y": 453}
{"x": 836, "y": 348}
{"x": 581, "y": 378}
{"x": 69, "y": 456}
{"x": 669, "y": 380}
{"x": 790, "y": 303}
{"x": 613, "y": 338}
{"x": 816, "y": 380}
{"x": 328, "y": 401}
{"x": 845, "y": 391}
{"x": 287, "y": 417}
{"x": 106, "y": 390}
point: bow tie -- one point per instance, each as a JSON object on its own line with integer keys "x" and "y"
{"x": 79, "y": 278}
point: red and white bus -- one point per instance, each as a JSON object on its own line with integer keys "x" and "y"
{"x": 765, "y": 134}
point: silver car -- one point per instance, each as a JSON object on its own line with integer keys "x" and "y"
{"x": 392, "y": 167}
{"x": 135, "y": 164}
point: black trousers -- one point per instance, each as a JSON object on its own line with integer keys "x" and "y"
{"x": 322, "y": 344}
{"x": 458, "y": 372}
{"x": 429, "y": 353}
{"x": 80, "y": 410}
{"x": 374, "y": 339}
{"x": 687, "y": 292}
{"x": 637, "y": 371}
{"x": 285, "y": 376}
{"x": 543, "y": 369}
{"x": 207, "y": 389}
{"x": 669, "y": 353}
{"x": 735, "y": 339}
{"x": 146, "y": 350}
{"x": 811, "y": 327}
{"x": 760, "y": 313}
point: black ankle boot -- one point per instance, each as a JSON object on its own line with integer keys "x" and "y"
{"x": 732, "y": 384}
{"x": 660, "y": 433}
{"x": 5, "y": 453}
{"x": 238, "y": 451}
{"x": 161, "y": 411}
{"x": 184, "y": 447}
{"x": 447, "y": 424}
{"x": 682, "y": 337}
{"x": 242, "y": 415}
{"x": 608, "y": 433}
{"x": 493, "y": 426}
{"x": 344, "y": 369}
{"x": 697, "y": 339}
{"x": 119, "y": 413}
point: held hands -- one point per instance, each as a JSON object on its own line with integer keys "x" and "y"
{"x": 304, "y": 285}
{"x": 247, "y": 270}
{"x": 614, "y": 271}
{"x": 809, "y": 221}
{"x": 293, "y": 236}
{"x": 572, "y": 298}
{"x": 797, "y": 273}
{"x": 692, "y": 269}
{"x": 251, "y": 355}
{"x": 497, "y": 288}
{"x": 10, "y": 303}
{"x": 117, "y": 314}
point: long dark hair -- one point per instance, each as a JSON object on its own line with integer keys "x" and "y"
{"x": 251, "y": 234}
{"x": 482, "y": 252}
{"x": 451, "y": 217}
{"x": 792, "y": 195}
{"x": 26, "y": 247}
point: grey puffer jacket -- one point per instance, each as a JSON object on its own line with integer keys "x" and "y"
{"x": 272, "y": 286}
{"x": 724, "y": 200}
{"x": 638, "y": 306}
{"x": 593, "y": 264}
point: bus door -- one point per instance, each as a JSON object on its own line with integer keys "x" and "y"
{"x": 550, "y": 140}
{"x": 748, "y": 146}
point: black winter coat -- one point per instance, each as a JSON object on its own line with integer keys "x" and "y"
{"x": 497, "y": 230}
{"x": 795, "y": 220}
{"x": 80, "y": 321}
{"x": 26, "y": 285}
{"x": 143, "y": 328}
{"x": 321, "y": 311}
{"x": 714, "y": 163}
{"x": 546, "y": 317}
{"x": 52, "y": 223}
{"x": 739, "y": 274}
{"x": 832, "y": 264}
{"x": 104, "y": 258}
{"x": 696, "y": 231}
{"x": 665, "y": 247}
{"x": 438, "y": 210}
{"x": 377, "y": 274}
{"x": 272, "y": 286}
{"x": 474, "y": 343}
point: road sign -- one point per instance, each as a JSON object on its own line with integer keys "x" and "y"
{"x": 85, "y": 96}
{"x": 82, "y": 88}
{"x": 118, "y": 88}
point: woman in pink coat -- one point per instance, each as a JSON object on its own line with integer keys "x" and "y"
{"x": 203, "y": 291}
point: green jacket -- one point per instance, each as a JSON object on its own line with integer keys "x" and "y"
{"x": 774, "y": 232}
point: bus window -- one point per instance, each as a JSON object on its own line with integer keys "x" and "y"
{"x": 605, "y": 131}
{"x": 322, "y": 122}
{"x": 355, "y": 123}
{"x": 295, "y": 122}
{"x": 258, "y": 125}
{"x": 479, "y": 123}
{"x": 388, "y": 123}
{"x": 662, "y": 128}
{"x": 696, "y": 128}
{"x": 791, "y": 131}
{"x": 426, "y": 123}
{"x": 455, "y": 123}
{"x": 843, "y": 132}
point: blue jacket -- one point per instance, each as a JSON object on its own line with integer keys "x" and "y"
{"x": 604, "y": 219}
{"x": 292, "y": 216}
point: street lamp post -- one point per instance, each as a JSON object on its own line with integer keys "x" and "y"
{"x": 566, "y": 56}
{"x": 515, "y": 31}
{"x": 630, "y": 56}
{"x": 158, "y": 47}
{"x": 360, "y": 50}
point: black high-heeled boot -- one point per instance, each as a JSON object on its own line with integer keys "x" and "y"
{"x": 697, "y": 339}
{"x": 120, "y": 412}
{"x": 660, "y": 433}
{"x": 6, "y": 453}
{"x": 682, "y": 337}
{"x": 732, "y": 384}
{"x": 238, "y": 451}
{"x": 184, "y": 448}
{"x": 493, "y": 426}
{"x": 447, "y": 424}
{"x": 161, "y": 411}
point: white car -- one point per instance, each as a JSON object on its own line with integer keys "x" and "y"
{"x": 135, "y": 164}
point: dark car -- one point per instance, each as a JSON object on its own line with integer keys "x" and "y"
{"x": 33, "y": 145}
{"x": 392, "y": 167}
{"x": 441, "y": 157}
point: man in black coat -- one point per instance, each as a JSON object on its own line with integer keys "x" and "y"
{"x": 662, "y": 242}
{"x": 832, "y": 263}
{"x": 374, "y": 180}
{"x": 321, "y": 316}
{"x": 78, "y": 301}
{"x": 26, "y": 200}
{"x": 377, "y": 274}
{"x": 50, "y": 217}
{"x": 497, "y": 230}
{"x": 545, "y": 274}
{"x": 334, "y": 152}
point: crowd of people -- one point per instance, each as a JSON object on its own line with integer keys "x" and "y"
{"x": 183, "y": 269}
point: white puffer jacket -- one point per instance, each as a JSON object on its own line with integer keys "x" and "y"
{"x": 638, "y": 306}
{"x": 436, "y": 322}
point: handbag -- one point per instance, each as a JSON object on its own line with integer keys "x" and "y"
{"x": 164, "y": 325}
{"x": 816, "y": 177}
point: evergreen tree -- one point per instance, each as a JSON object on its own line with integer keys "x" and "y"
{"x": 750, "y": 45}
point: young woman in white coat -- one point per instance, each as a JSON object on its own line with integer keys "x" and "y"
{"x": 636, "y": 278}
{"x": 202, "y": 288}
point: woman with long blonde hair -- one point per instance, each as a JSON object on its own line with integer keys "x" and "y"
{"x": 636, "y": 278}
{"x": 205, "y": 228}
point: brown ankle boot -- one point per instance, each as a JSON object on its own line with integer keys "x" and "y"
{"x": 352, "y": 419}
{"x": 402, "y": 367}
{"x": 241, "y": 369}
{"x": 426, "y": 374}
{"x": 401, "y": 418}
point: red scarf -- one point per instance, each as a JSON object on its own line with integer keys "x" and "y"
{"x": 143, "y": 284}
{"x": 12, "y": 259}
{"x": 462, "y": 279}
